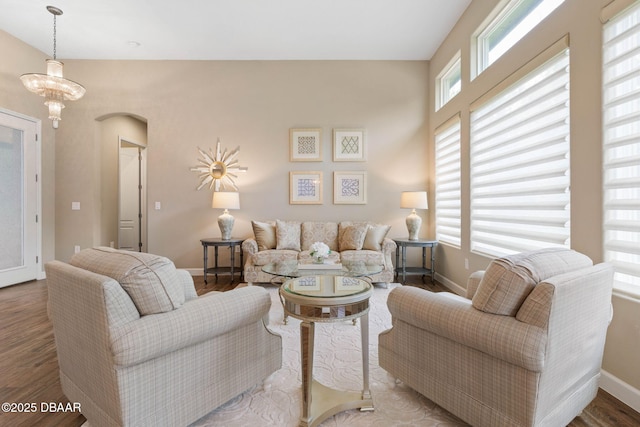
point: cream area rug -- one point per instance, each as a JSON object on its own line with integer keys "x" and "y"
{"x": 337, "y": 364}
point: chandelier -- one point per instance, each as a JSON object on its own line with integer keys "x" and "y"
{"x": 52, "y": 86}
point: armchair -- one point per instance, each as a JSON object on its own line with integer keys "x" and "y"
{"x": 141, "y": 348}
{"x": 523, "y": 349}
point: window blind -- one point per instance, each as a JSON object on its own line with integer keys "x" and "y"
{"x": 519, "y": 155}
{"x": 447, "y": 139}
{"x": 621, "y": 148}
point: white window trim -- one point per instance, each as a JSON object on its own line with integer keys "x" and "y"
{"x": 443, "y": 199}
{"x": 440, "y": 87}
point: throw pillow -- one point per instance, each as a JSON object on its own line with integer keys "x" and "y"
{"x": 288, "y": 235}
{"x": 150, "y": 280}
{"x": 374, "y": 237}
{"x": 352, "y": 238}
{"x": 265, "y": 234}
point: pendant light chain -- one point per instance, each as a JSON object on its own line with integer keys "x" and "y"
{"x": 54, "y": 36}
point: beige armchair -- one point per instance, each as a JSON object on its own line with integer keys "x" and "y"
{"x": 524, "y": 349}
{"x": 137, "y": 347}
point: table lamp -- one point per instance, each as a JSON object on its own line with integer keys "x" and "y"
{"x": 225, "y": 200}
{"x": 413, "y": 200}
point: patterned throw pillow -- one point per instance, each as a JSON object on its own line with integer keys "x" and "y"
{"x": 352, "y": 237}
{"x": 265, "y": 235}
{"x": 288, "y": 235}
{"x": 374, "y": 237}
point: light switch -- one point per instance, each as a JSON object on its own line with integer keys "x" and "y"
{"x": 75, "y": 206}
{"x": 158, "y": 206}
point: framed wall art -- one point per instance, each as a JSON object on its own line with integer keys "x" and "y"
{"x": 305, "y": 188}
{"x": 305, "y": 145}
{"x": 350, "y": 188}
{"x": 349, "y": 145}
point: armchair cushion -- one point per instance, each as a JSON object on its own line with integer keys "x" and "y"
{"x": 508, "y": 281}
{"x": 288, "y": 235}
{"x": 265, "y": 235}
{"x": 150, "y": 280}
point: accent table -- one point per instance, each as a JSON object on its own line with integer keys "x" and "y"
{"x": 328, "y": 299}
{"x": 217, "y": 242}
{"x": 424, "y": 244}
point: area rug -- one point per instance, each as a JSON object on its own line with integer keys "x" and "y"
{"x": 337, "y": 364}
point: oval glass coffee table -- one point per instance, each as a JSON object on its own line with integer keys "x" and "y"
{"x": 293, "y": 268}
{"x": 328, "y": 298}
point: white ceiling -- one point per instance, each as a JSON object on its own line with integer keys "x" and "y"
{"x": 235, "y": 29}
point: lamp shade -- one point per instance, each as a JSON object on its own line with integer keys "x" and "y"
{"x": 414, "y": 200}
{"x": 226, "y": 200}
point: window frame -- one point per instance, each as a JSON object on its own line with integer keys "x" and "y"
{"x": 443, "y": 89}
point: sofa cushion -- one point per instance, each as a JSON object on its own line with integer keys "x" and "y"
{"x": 150, "y": 280}
{"x": 265, "y": 234}
{"x": 369, "y": 257}
{"x": 273, "y": 255}
{"x": 326, "y": 232}
{"x": 508, "y": 281}
{"x": 305, "y": 257}
{"x": 288, "y": 235}
{"x": 352, "y": 237}
{"x": 374, "y": 237}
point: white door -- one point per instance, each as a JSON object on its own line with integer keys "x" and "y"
{"x": 19, "y": 198}
{"x": 131, "y": 215}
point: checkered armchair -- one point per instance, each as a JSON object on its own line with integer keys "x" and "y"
{"x": 523, "y": 349}
{"x": 137, "y": 347}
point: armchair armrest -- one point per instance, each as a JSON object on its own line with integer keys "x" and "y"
{"x": 196, "y": 321}
{"x": 187, "y": 282}
{"x": 249, "y": 247}
{"x": 452, "y": 316}
{"x": 473, "y": 282}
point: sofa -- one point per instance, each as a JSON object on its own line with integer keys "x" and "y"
{"x": 524, "y": 348}
{"x": 136, "y": 346}
{"x": 290, "y": 240}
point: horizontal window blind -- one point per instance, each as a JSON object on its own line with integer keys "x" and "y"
{"x": 520, "y": 163}
{"x": 621, "y": 145}
{"x": 447, "y": 140}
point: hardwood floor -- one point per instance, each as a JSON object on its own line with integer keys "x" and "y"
{"x": 29, "y": 366}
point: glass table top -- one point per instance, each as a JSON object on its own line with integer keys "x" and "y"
{"x": 326, "y": 286}
{"x": 292, "y": 268}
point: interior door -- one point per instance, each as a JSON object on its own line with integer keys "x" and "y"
{"x": 19, "y": 196}
{"x": 132, "y": 197}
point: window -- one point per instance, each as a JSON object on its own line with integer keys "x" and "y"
{"x": 513, "y": 21}
{"x": 448, "y": 182}
{"x": 621, "y": 145}
{"x": 520, "y": 159}
{"x": 448, "y": 82}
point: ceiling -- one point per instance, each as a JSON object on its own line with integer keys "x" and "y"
{"x": 235, "y": 29}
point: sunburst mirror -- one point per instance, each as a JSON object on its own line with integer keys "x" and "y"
{"x": 219, "y": 169}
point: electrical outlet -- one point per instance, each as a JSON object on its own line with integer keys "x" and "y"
{"x": 76, "y": 249}
{"x": 466, "y": 263}
{"x": 158, "y": 206}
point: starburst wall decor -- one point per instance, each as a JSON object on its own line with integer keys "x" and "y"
{"x": 218, "y": 170}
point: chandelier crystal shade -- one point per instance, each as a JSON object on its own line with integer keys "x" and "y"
{"x": 53, "y": 86}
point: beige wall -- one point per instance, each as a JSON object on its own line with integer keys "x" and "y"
{"x": 581, "y": 20}
{"x": 251, "y": 104}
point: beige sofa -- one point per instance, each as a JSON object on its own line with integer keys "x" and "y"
{"x": 524, "y": 349}
{"x": 291, "y": 240}
{"x": 137, "y": 347}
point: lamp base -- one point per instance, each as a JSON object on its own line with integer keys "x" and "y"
{"x": 413, "y": 225}
{"x": 225, "y": 222}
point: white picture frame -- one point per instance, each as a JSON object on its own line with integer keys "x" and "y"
{"x": 349, "y": 145}
{"x": 350, "y": 187}
{"x": 305, "y": 145}
{"x": 305, "y": 188}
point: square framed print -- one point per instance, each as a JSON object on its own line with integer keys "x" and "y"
{"x": 349, "y": 145}
{"x": 350, "y": 188}
{"x": 305, "y": 145}
{"x": 305, "y": 188}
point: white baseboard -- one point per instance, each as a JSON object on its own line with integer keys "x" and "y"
{"x": 194, "y": 271}
{"x": 620, "y": 390}
{"x": 452, "y": 286}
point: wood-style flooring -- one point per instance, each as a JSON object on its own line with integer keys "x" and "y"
{"x": 29, "y": 366}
